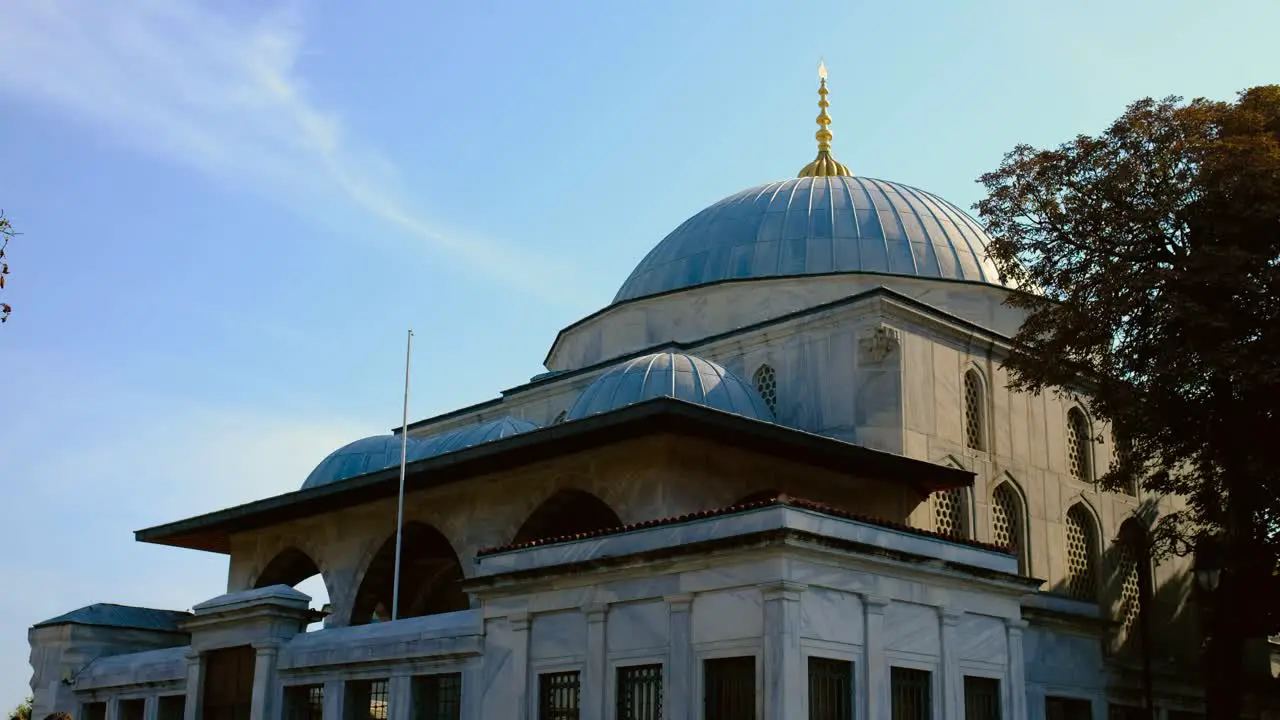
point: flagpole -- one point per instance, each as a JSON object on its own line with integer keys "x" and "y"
{"x": 404, "y": 451}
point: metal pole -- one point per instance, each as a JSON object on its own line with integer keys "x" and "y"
{"x": 404, "y": 451}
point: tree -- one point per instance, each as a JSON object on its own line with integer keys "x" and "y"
{"x": 23, "y": 711}
{"x": 1148, "y": 262}
{"x": 6, "y": 232}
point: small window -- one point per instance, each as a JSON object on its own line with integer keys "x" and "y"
{"x": 981, "y": 698}
{"x": 640, "y": 692}
{"x": 1006, "y": 522}
{"x": 912, "y": 692}
{"x": 367, "y": 700}
{"x": 830, "y": 689}
{"x": 95, "y": 711}
{"x": 1082, "y": 538}
{"x": 766, "y": 382}
{"x": 437, "y": 697}
{"x": 974, "y": 437}
{"x": 559, "y": 695}
{"x": 950, "y": 513}
{"x": 1079, "y": 446}
{"x": 729, "y": 688}
{"x": 304, "y": 702}
{"x": 172, "y": 707}
{"x": 133, "y": 709}
{"x": 1060, "y": 708}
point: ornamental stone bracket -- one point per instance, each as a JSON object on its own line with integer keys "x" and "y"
{"x": 875, "y": 345}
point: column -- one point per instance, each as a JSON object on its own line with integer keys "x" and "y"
{"x": 519, "y": 623}
{"x": 400, "y": 697}
{"x": 335, "y": 699}
{"x": 783, "y": 664}
{"x": 952, "y": 678}
{"x": 267, "y": 652}
{"x": 195, "y": 686}
{"x": 593, "y": 676}
{"x": 1018, "y": 671}
{"x": 680, "y": 667}
{"x": 876, "y": 662}
{"x": 151, "y": 708}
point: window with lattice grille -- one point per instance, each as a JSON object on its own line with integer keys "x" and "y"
{"x": 766, "y": 382}
{"x": 1079, "y": 446}
{"x": 949, "y": 513}
{"x": 639, "y": 692}
{"x": 560, "y": 695}
{"x": 1006, "y": 522}
{"x": 981, "y": 698}
{"x": 912, "y": 693}
{"x": 1082, "y": 582}
{"x": 973, "y": 427}
{"x": 1129, "y": 553}
{"x": 304, "y": 702}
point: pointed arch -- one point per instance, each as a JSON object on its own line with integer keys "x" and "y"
{"x": 975, "y": 415}
{"x": 289, "y": 567}
{"x": 567, "y": 512}
{"x": 1130, "y": 577}
{"x": 1081, "y": 535}
{"x": 765, "y": 380}
{"x": 430, "y": 578}
{"x": 1079, "y": 446}
{"x": 1009, "y": 522}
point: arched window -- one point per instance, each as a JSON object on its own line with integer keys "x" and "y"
{"x": 974, "y": 437}
{"x": 1079, "y": 446}
{"x": 1130, "y": 575}
{"x": 766, "y": 382}
{"x": 1082, "y": 543}
{"x": 950, "y": 514}
{"x": 1007, "y": 519}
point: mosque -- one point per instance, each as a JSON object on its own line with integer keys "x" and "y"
{"x": 779, "y": 476}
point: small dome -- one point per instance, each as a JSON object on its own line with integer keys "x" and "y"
{"x": 362, "y": 456}
{"x": 817, "y": 226}
{"x": 470, "y": 435}
{"x": 673, "y": 375}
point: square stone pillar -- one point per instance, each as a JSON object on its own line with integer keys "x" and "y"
{"x": 594, "y": 670}
{"x": 335, "y": 700}
{"x": 195, "y": 686}
{"x": 784, "y": 676}
{"x": 520, "y": 663}
{"x": 952, "y": 677}
{"x": 1017, "y": 671}
{"x": 680, "y": 669}
{"x": 400, "y": 697}
{"x": 879, "y": 700}
{"x": 151, "y": 708}
{"x": 267, "y": 654}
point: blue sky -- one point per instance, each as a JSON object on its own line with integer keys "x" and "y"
{"x": 233, "y": 210}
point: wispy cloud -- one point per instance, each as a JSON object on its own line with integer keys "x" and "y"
{"x": 222, "y": 94}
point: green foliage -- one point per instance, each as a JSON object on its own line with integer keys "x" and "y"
{"x": 23, "y": 711}
{"x": 1149, "y": 257}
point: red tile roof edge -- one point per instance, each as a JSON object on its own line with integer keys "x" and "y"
{"x": 781, "y": 500}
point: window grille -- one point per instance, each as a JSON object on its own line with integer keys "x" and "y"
{"x": 1082, "y": 582}
{"x": 830, "y": 689}
{"x": 640, "y": 692}
{"x": 912, "y": 693}
{"x": 367, "y": 700}
{"x": 132, "y": 709}
{"x": 729, "y": 688}
{"x": 1006, "y": 522}
{"x": 949, "y": 513}
{"x": 171, "y": 707}
{"x": 559, "y": 696}
{"x": 1060, "y": 708}
{"x": 981, "y": 698}
{"x": 973, "y": 427}
{"x": 766, "y": 382}
{"x": 1127, "y": 570}
{"x": 304, "y": 702}
{"x": 1079, "y": 446}
{"x": 95, "y": 711}
{"x": 437, "y": 697}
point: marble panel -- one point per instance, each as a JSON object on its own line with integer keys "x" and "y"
{"x": 153, "y": 666}
{"x": 831, "y": 616}
{"x": 912, "y": 628}
{"x": 555, "y": 635}
{"x": 982, "y": 639}
{"x": 637, "y": 626}
{"x": 445, "y": 635}
{"x": 732, "y": 615}
{"x": 1063, "y": 659}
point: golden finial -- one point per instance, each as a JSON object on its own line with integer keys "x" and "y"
{"x": 824, "y": 165}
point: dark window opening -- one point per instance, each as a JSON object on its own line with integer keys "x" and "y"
{"x": 729, "y": 688}
{"x": 437, "y": 697}
{"x": 1060, "y": 708}
{"x": 172, "y": 707}
{"x": 367, "y": 700}
{"x": 830, "y": 689}
{"x": 95, "y": 711}
{"x": 981, "y": 698}
{"x": 559, "y": 696}
{"x": 228, "y": 683}
{"x": 912, "y": 692}
{"x": 133, "y": 709}
{"x": 640, "y": 692}
{"x": 304, "y": 702}
{"x": 1126, "y": 712}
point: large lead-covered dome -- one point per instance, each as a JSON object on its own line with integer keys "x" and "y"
{"x": 815, "y": 226}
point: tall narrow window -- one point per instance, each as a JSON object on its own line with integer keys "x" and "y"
{"x": 304, "y": 702}
{"x": 437, "y": 697}
{"x": 1079, "y": 446}
{"x": 367, "y": 699}
{"x": 172, "y": 707}
{"x": 1130, "y": 556}
{"x": 912, "y": 692}
{"x": 974, "y": 437}
{"x": 830, "y": 689}
{"x": 640, "y": 692}
{"x": 1082, "y": 539}
{"x": 559, "y": 696}
{"x": 1006, "y": 522}
{"x": 981, "y": 698}
{"x": 766, "y": 382}
{"x": 729, "y": 688}
{"x": 950, "y": 513}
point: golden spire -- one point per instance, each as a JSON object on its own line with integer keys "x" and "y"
{"x": 823, "y": 165}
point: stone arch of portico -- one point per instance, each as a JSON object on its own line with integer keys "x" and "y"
{"x": 431, "y": 576}
{"x": 284, "y": 552}
{"x": 566, "y": 511}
